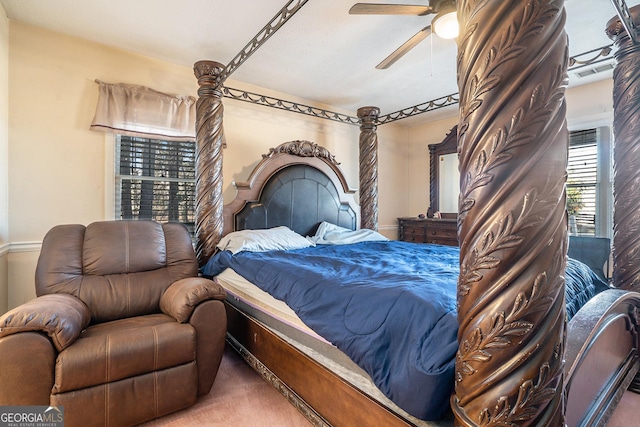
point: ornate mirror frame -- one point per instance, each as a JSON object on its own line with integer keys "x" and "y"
{"x": 448, "y": 145}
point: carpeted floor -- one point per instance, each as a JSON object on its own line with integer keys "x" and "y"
{"x": 241, "y": 398}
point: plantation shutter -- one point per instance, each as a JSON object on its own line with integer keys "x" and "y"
{"x": 156, "y": 179}
{"x": 582, "y": 182}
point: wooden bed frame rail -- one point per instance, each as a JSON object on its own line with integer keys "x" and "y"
{"x": 301, "y": 379}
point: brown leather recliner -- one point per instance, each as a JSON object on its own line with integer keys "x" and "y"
{"x": 122, "y": 331}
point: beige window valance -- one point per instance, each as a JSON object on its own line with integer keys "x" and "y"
{"x": 140, "y": 111}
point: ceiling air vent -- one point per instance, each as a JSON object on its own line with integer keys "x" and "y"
{"x": 585, "y": 72}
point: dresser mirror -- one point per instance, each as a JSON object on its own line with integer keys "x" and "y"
{"x": 444, "y": 176}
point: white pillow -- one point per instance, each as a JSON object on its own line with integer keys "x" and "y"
{"x": 272, "y": 239}
{"x": 331, "y": 234}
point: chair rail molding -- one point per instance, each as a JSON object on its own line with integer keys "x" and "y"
{"x": 15, "y": 247}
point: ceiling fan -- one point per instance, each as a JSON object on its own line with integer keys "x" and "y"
{"x": 444, "y": 24}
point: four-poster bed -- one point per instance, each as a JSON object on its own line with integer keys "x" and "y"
{"x": 518, "y": 362}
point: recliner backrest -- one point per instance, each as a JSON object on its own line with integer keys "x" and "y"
{"x": 117, "y": 268}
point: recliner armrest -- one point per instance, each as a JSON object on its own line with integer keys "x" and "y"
{"x": 181, "y": 298}
{"x": 61, "y": 316}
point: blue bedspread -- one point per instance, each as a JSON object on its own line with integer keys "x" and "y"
{"x": 403, "y": 334}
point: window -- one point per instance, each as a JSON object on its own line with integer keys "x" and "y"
{"x": 155, "y": 179}
{"x": 589, "y": 190}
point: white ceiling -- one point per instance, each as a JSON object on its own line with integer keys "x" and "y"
{"x": 322, "y": 54}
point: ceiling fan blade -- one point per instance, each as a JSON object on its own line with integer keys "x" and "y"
{"x": 389, "y": 9}
{"x": 406, "y": 47}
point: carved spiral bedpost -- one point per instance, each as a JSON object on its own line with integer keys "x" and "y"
{"x": 626, "y": 124}
{"x": 368, "y": 167}
{"x": 210, "y": 142}
{"x": 513, "y": 140}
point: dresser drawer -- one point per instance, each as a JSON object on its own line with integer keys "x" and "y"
{"x": 428, "y": 230}
{"x": 413, "y": 233}
{"x": 443, "y": 240}
{"x": 442, "y": 232}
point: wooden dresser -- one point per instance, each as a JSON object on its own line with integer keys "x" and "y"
{"x": 428, "y": 230}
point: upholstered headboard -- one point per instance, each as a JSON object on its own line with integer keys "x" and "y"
{"x": 298, "y": 184}
{"x": 300, "y": 197}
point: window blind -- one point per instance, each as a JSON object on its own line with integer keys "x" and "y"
{"x": 156, "y": 180}
{"x": 582, "y": 182}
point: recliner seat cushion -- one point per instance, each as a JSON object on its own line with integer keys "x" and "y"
{"x": 124, "y": 348}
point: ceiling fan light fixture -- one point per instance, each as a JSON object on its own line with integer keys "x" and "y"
{"x": 445, "y": 24}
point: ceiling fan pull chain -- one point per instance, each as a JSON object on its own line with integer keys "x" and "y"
{"x": 430, "y": 56}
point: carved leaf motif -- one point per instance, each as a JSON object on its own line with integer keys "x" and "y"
{"x": 474, "y": 103}
{"x": 464, "y": 38}
{"x": 501, "y": 407}
{"x": 463, "y": 287}
{"x": 530, "y": 396}
{"x": 479, "y": 176}
{"x": 467, "y": 347}
{"x": 486, "y": 85}
{"x": 466, "y": 205}
{"x": 485, "y": 262}
{"x": 480, "y": 181}
{"x": 540, "y": 303}
{"x": 503, "y": 329}
{"x": 516, "y": 329}
{"x": 504, "y": 238}
{"x": 498, "y": 337}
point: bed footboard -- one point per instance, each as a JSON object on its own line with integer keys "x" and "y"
{"x": 601, "y": 356}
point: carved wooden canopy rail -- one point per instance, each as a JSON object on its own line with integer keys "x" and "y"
{"x": 512, "y": 75}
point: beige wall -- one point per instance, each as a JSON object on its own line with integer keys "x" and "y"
{"x": 60, "y": 171}
{"x": 590, "y": 106}
{"x": 4, "y": 158}
{"x": 57, "y": 165}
